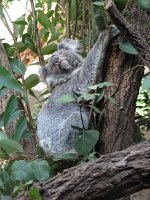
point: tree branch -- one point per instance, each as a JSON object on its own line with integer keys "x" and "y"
{"x": 110, "y": 177}
{"x": 125, "y": 27}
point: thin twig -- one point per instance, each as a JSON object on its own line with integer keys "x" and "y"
{"x": 76, "y": 17}
{"x": 68, "y": 19}
{"x": 27, "y": 110}
{"x": 83, "y": 18}
{"x": 38, "y": 44}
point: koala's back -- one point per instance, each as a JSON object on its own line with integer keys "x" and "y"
{"x": 55, "y": 120}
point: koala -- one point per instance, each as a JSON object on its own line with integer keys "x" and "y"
{"x": 62, "y": 64}
{"x": 67, "y": 73}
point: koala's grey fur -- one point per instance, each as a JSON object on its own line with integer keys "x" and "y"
{"x": 55, "y": 119}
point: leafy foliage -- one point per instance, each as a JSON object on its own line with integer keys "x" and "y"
{"x": 21, "y": 169}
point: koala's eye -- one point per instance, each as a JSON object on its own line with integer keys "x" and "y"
{"x": 54, "y": 59}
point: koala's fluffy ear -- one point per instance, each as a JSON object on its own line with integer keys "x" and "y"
{"x": 69, "y": 44}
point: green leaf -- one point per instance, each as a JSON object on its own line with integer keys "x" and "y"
{"x": 26, "y": 134}
{"x": 146, "y": 83}
{"x": 128, "y": 48}
{"x": 3, "y": 91}
{"x": 92, "y": 157}
{"x": 21, "y": 46}
{"x": 120, "y": 4}
{"x": 1, "y": 183}
{"x": 34, "y": 193}
{"x": 20, "y": 128}
{"x": 100, "y": 95}
{"x": 97, "y": 3}
{"x": 3, "y": 135}
{"x": 145, "y": 4}
{"x": 100, "y": 85}
{"x": 14, "y": 116}
{"x": 44, "y": 20}
{"x": 10, "y": 108}
{"x": 10, "y": 146}
{"x": 31, "y": 81}
{"x": 7, "y": 80}
{"x": 39, "y": 151}
{"x": 40, "y": 169}
{"x": 31, "y": 44}
{"x": 3, "y": 154}
{"x": 95, "y": 109}
{"x": 66, "y": 156}
{"x": 1, "y": 120}
{"x": 17, "y": 66}
{"x": 86, "y": 142}
{"x": 6, "y": 197}
{"x": 33, "y": 94}
{"x": 21, "y": 171}
{"x": 20, "y": 22}
{"x": 54, "y": 37}
{"x": 10, "y": 51}
{"x": 67, "y": 98}
{"x": 86, "y": 97}
{"x": 49, "y": 49}
{"x": 72, "y": 10}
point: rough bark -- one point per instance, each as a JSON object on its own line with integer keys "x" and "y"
{"x": 122, "y": 69}
{"x": 133, "y": 34}
{"x": 110, "y": 177}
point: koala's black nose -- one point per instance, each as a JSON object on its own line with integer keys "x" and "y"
{"x": 54, "y": 59}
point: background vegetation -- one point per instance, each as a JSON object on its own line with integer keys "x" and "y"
{"x": 35, "y": 35}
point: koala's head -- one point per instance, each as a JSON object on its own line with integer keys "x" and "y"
{"x": 63, "y": 62}
{"x": 66, "y": 58}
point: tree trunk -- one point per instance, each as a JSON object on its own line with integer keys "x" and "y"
{"x": 122, "y": 69}
{"x": 110, "y": 177}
